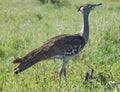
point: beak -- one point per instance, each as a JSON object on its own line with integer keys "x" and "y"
{"x": 91, "y": 6}
{"x": 94, "y": 5}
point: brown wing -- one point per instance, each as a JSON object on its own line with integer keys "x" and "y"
{"x": 55, "y": 46}
{"x": 59, "y": 44}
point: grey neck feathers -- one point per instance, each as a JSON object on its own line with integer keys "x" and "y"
{"x": 85, "y": 28}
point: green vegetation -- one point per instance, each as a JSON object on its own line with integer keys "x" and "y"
{"x": 26, "y": 24}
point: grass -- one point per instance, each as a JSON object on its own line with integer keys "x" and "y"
{"x": 26, "y": 24}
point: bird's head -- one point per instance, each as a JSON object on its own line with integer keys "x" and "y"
{"x": 87, "y": 7}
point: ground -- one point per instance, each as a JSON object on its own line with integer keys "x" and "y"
{"x": 26, "y": 24}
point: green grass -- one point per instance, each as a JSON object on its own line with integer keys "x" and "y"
{"x": 26, "y": 24}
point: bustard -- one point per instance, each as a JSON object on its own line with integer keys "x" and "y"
{"x": 62, "y": 46}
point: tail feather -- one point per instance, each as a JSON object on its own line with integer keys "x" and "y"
{"x": 18, "y": 60}
{"x": 16, "y": 70}
{"x": 28, "y": 61}
{"x": 25, "y": 64}
{"x": 32, "y": 58}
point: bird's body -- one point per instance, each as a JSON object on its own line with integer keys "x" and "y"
{"x": 56, "y": 47}
{"x": 62, "y": 46}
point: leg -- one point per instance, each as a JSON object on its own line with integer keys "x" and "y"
{"x": 65, "y": 60}
{"x": 60, "y": 74}
{"x": 65, "y": 75}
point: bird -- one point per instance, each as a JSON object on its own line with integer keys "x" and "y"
{"x": 63, "y": 46}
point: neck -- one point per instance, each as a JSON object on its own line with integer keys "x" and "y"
{"x": 85, "y": 28}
